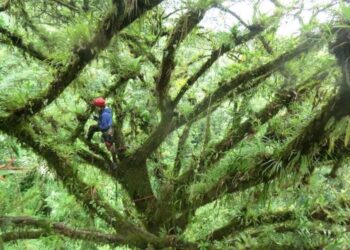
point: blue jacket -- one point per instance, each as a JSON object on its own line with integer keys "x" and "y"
{"x": 105, "y": 119}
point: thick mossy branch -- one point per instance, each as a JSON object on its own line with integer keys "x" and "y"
{"x": 180, "y": 148}
{"x": 120, "y": 17}
{"x": 18, "y": 42}
{"x": 241, "y": 222}
{"x": 67, "y": 5}
{"x": 215, "y": 55}
{"x": 226, "y": 87}
{"x": 51, "y": 228}
{"x": 153, "y": 141}
{"x": 184, "y": 26}
{"x": 96, "y": 149}
{"x": 133, "y": 174}
{"x": 96, "y": 161}
{"x": 119, "y": 137}
{"x": 23, "y": 235}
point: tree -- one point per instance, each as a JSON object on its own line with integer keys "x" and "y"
{"x": 174, "y": 85}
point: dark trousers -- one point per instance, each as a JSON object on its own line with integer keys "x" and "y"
{"x": 107, "y": 138}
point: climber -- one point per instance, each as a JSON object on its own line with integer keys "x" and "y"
{"x": 104, "y": 125}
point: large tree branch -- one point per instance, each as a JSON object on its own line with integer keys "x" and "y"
{"x": 102, "y": 163}
{"x": 119, "y": 137}
{"x": 23, "y": 235}
{"x": 239, "y": 223}
{"x": 67, "y": 5}
{"x": 184, "y": 26}
{"x": 56, "y": 228}
{"x": 180, "y": 148}
{"x": 18, "y": 42}
{"x": 153, "y": 141}
{"x": 283, "y": 222}
{"x": 120, "y": 17}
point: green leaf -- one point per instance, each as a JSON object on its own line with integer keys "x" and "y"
{"x": 345, "y": 10}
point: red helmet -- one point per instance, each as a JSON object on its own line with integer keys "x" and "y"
{"x": 99, "y": 102}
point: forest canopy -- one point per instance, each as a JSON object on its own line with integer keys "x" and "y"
{"x": 230, "y": 129}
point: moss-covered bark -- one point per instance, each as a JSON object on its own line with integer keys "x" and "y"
{"x": 17, "y": 41}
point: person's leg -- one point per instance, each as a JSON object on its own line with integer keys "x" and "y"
{"x": 92, "y": 130}
{"x": 109, "y": 142}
